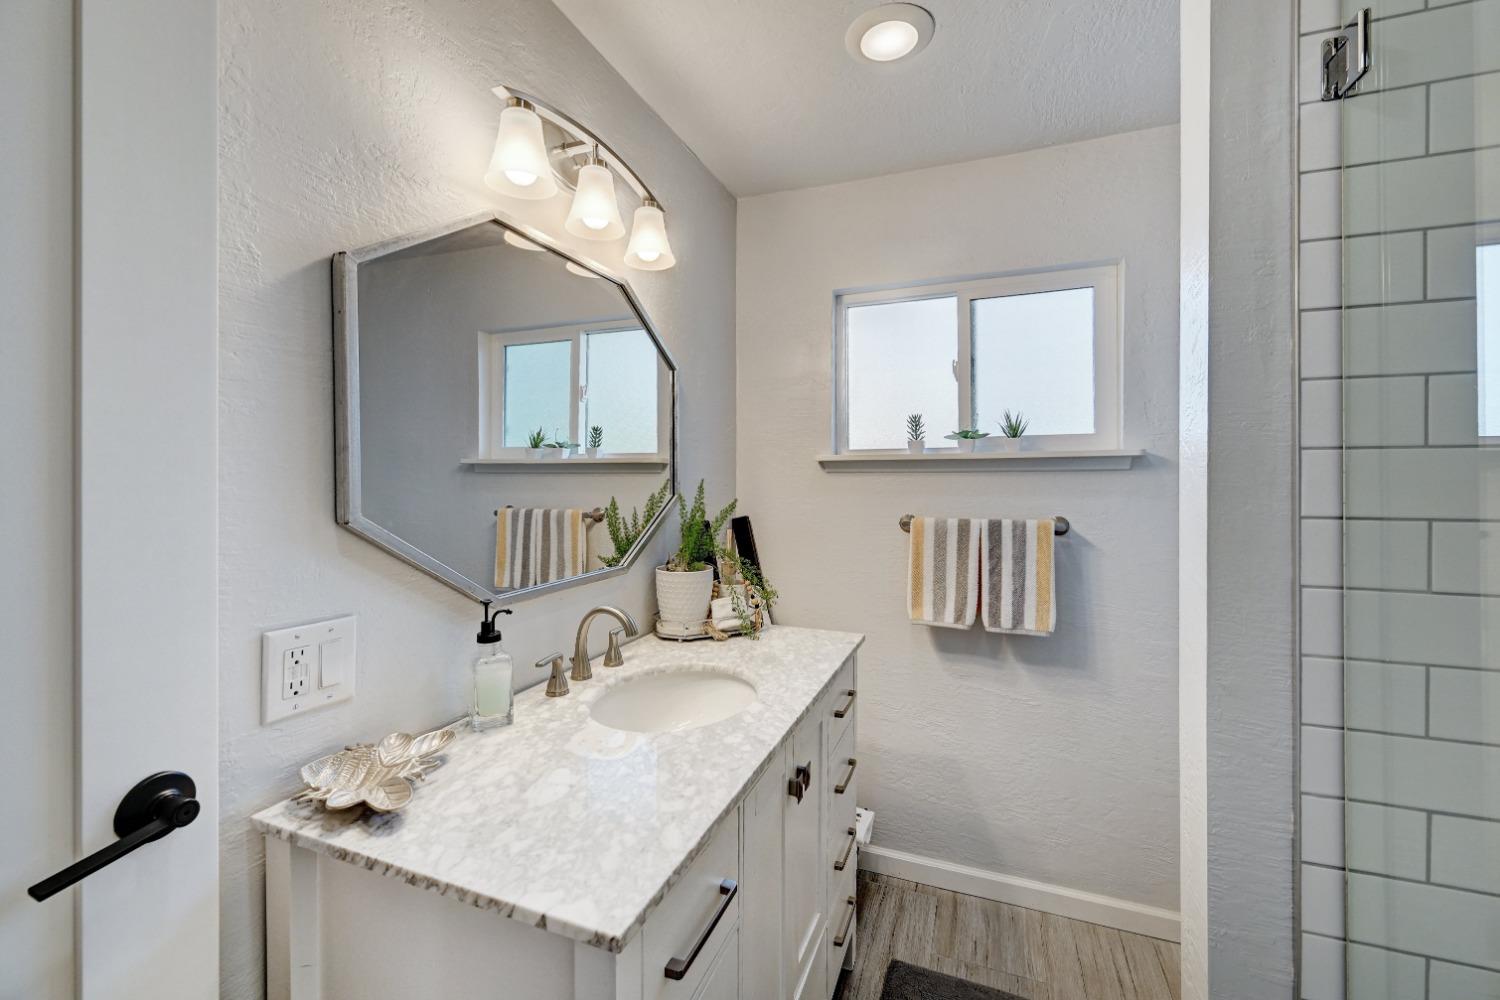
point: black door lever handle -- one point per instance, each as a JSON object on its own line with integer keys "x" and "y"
{"x": 149, "y": 811}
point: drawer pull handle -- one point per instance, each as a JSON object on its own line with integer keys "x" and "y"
{"x": 677, "y": 968}
{"x": 843, "y": 786}
{"x": 843, "y": 862}
{"x": 839, "y": 713}
{"x": 838, "y": 942}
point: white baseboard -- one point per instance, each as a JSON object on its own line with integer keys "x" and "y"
{"x": 1117, "y": 913}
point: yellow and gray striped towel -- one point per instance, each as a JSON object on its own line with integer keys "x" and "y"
{"x": 1020, "y": 596}
{"x": 538, "y": 545}
{"x": 942, "y": 577}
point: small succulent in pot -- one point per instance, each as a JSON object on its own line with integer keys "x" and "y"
{"x": 1013, "y": 426}
{"x": 536, "y": 444}
{"x": 559, "y": 446}
{"x": 916, "y": 433}
{"x": 967, "y": 438}
{"x": 596, "y": 439}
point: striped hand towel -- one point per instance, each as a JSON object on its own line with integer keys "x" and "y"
{"x": 1019, "y": 593}
{"x": 942, "y": 571}
{"x": 538, "y": 545}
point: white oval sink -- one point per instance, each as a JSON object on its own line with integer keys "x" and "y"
{"x": 672, "y": 702}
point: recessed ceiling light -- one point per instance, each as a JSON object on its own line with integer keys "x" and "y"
{"x": 889, "y": 32}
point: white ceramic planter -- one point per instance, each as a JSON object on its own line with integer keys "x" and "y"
{"x": 916, "y": 447}
{"x": 965, "y": 445}
{"x": 536, "y": 454}
{"x": 684, "y": 597}
{"x": 591, "y": 452}
{"x": 552, "y": 454}
{"x": 1006, "y": 444}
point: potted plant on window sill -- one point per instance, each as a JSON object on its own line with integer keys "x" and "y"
{"x": 966, "y": 439}
{"x": 685, "y": 585}
{"x": 596, "y": 439}
{"x": 1013, "y": 429}
{"x": 916, "y": 434}
{"x": 536, "y": 445}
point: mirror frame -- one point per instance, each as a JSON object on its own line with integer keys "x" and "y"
{"x": 348, "y": 507}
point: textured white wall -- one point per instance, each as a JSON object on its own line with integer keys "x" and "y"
{"x": 343, "y": 123}
{"x": 1052, "y": 759}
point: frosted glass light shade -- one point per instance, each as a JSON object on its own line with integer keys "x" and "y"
{"x": 519, "y": 166}
{"x": 595, "y": 214}
{"x": 649, "y": 249}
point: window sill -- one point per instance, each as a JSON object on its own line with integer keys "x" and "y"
{"x": 580, "y": 463}
{"x": 980, "y": 461}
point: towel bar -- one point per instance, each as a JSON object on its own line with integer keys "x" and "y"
{"x": 596, "y": 515}
{"x": 1060, "y": 524}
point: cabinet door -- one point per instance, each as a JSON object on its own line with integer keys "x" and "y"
{"x": 723, "y": 982}
{"x": 761, "y": 968}
{"x": 802, "y": 826}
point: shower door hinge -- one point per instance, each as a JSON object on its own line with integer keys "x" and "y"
{"x": 1346, "y": 57}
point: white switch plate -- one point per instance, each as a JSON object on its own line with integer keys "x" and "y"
{"x": 306, "y": 667}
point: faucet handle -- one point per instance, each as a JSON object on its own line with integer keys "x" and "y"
{"x": 557, "y": 684}
{"x": 612, "y": 656}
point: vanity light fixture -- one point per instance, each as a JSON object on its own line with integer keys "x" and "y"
{"x": 519, "y": 166}
{"x": 539, "y": 143}
{"x": 889, "y": 32}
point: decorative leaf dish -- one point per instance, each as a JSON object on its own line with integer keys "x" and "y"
{"x": 378, "y": 775}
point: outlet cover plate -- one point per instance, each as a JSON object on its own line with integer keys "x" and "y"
{"x": 324, "y": 683}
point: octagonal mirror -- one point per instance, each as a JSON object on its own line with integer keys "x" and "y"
{"x": 506, "y": 413}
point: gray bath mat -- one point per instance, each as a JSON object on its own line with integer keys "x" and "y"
{"x": 912, "y": 982}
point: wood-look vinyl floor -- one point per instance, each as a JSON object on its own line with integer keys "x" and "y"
{"x": 1033, "y": 955}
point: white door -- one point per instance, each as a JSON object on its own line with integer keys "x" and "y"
{"x": 108, "y": 370}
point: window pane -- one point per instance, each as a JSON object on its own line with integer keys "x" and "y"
{"x": 619, "y": 368}
{"x": 537, "y": 390}
{"x": 900, "y": 361}
{"x": 1034, "y": 354}
{"x": 1487, "y": 268}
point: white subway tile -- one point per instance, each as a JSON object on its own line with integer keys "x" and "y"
{"x": 1410, "y": 339}
{"x": 1322, "y": 622}
{"x": 1466, "y": 113}
{"x": 1384, "y": 412}
{"x": 1377, "y": 974}
{"x": 1435, "y": 45}
{"x": 1385, "y": 125}
{"x": 1322, "y": 483}
{"x": 1440, "y": 629}
{"x": 1417, "y": 773}
{"x": 1422, "y": 482}
{"x": 1380, "y": 269}
{"x": 1453, "y": 409}
{"x": 1319, "y": 132}
{"x": 1386, "y": 841}
{"x": 1323, "y": 900}
{"x": 1322, "y": 831}
{"x": 1322, "y": 344}
{"x": 1385, "y": 555}
{"x": 1460, "y": 982}
{"x": 1447, "y": 190}
{"x": 1322, "y": 691}
{"x": 1322, "y": 761}
{"x": 1322, "y": 555}
{"x": 1320, "y": 279}
{"x": 1318, "y": 205}
{"x": 1464, "y": 852}
{"x": 1321, "y": 413}
{"x": 1450, "y": 259}
{"x": 1466, "y": 557}
{"x": 1428, "y": 920}
{"x": 1466, "y": 706}
{"x": 1322, "y": 968}
{"x": 1388, "y": 697}
{"x": 1317, "y": 15}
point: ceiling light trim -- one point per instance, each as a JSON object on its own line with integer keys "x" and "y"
{"x": 908, "y": 13}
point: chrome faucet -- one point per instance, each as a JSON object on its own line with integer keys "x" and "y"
{"x": 612, "y": 656}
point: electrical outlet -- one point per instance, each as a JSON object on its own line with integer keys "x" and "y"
{"x": 306, "y": 667}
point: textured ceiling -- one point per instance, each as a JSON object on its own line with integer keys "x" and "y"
{"x": 767, "y": 96}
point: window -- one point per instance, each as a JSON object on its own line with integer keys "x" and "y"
{"x": 961, "y": 354}
{"x": 1487, "y": 307}
{"x": 566, "y": 379}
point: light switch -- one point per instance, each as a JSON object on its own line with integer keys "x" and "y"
{"x": 333, "y": 660}
{"x": 306, "y": 667}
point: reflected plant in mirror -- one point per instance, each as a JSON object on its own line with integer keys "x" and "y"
{"x": 471, "y": 362}
{"x": 624, "y": 533}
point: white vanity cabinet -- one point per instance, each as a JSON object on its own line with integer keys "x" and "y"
{"x": 762, "y": 910}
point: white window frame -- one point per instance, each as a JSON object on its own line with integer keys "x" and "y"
{"x": 492, "y": 345}
{"x": 1104, "y": 279}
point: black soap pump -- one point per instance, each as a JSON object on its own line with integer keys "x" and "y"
{"x": 493, "y": 671}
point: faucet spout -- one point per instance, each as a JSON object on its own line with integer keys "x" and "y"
{"x": 581, "y": 669}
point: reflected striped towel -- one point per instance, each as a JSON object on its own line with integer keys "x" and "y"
{"x": 538, "y": 545}
{"x": 942, "y": 571}
{"x": 1019, "y": 592}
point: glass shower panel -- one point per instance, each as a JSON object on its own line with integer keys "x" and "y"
{"x": 1420, "y": 385}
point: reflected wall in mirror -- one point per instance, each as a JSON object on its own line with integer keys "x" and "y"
{"x": 494, "y": 396}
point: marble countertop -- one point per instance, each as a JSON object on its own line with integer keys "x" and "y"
{"x": 567, "y": 824}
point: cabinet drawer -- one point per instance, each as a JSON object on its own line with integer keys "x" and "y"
{"x": 843, "y": 773}
{"x": 841, "y": 703}
{"x": 684, "y": 930}
{"x": 841, "y": 925}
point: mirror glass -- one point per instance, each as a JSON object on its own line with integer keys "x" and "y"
{"x": 499, "y": 395}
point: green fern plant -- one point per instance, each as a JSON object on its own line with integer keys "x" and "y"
{"x": 624, "y": 532}
{"x": 699, "y": 546}
{"x": 1013, "y": 425}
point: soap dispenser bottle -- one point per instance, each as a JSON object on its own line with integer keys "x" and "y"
{"x": 492, "y": 676}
